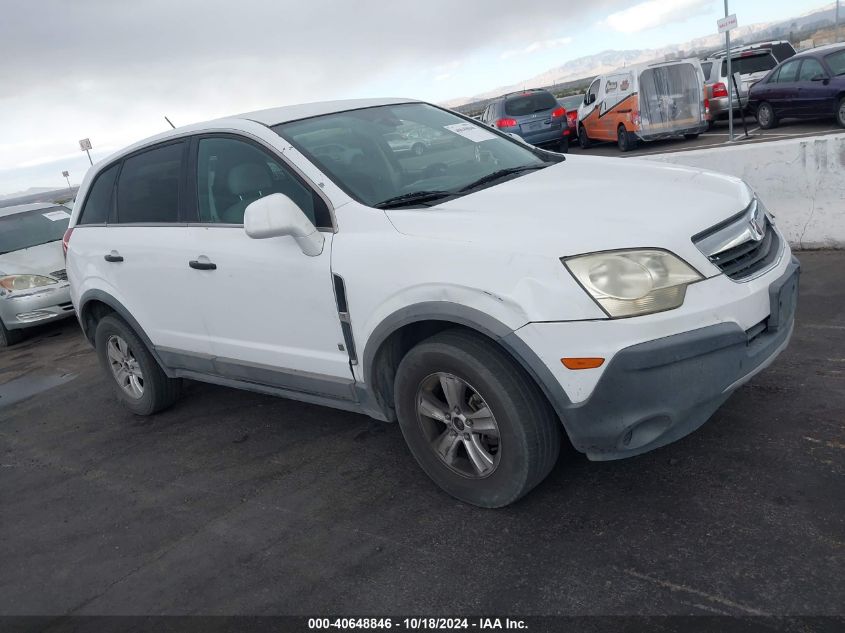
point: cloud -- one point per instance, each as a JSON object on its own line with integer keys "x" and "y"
{"x": 654, "y": 13}
{"x": 111, "y": 70}
{"x": 533, "y": 47}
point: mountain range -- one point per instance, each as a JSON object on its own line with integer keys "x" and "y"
{"x": 606, "y": 61}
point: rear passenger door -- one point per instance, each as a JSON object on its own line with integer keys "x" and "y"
{"x": 269, "y": 308}
{"x": 785, "y": 94}
{"x": 815, "y": 98}
{"x": 145, "y": 252}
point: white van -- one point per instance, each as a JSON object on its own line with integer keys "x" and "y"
{"x": 294, "y": 252}
{"x": 644, "y": 103}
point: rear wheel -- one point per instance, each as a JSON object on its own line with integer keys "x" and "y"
{"x": 625, "y": 140}
{"x": 583, "y": 139}
{"x": 563, "y": 146}
{"x": 474, "y": 421}
{"x": 9, "y": 337}
{"x": 137, "y": 380}
{"x": 766, "y": 116}
{"x": 840, "y": 112}
{"x": 418, "y": 149}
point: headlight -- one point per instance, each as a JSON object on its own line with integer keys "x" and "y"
{"x": 25, "y": 282}
{"x": 635, "y": 282}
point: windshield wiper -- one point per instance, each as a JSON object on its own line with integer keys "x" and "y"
{"x": 415, "y": 197}
{"x": 496, "y": 175}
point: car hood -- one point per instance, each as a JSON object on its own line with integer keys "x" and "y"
{"x": 37, "y": 260}
{"x": 586, "y": 204}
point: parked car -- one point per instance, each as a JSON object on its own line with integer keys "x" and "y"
{"x": 781, "y": 49}
{"x": 33, "y": 282}
{"x": 808, "y": 85}
{"x": 571, "y": 105}
{"x": 644, "y": 103}
{"x": 463, "y": 300}
{"x": 748, "y": 67}
{"x": 533, "y": 115}
{"x": 403, "y": 143}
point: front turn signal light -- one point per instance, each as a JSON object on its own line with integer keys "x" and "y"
{"x": 582, "y": 363}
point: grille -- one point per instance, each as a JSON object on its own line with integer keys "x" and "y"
{"x": 60, "y": 274}
{"x": 750, "y": 257}
{"x": 743, "y": 245}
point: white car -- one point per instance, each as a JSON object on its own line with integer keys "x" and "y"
{"x": 490, "y": 296}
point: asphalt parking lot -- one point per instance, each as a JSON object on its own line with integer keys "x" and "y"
{"x": 719, "y": 136}
{"x": 239, "y": 503}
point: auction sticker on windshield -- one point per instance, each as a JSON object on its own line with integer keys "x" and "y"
{"x": 472, "y": 132}
{"x": 55, "y": 216}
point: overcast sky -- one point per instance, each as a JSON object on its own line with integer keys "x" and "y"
{"x": 111, "y": 69}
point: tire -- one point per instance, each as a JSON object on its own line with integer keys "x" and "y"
{"x": 690, "y": 137}
{"x": 563, "y": 146}
{"x": 157, "y": 390}
{"x": 766, "y": 117}
{"x": 418, "y": 149}
{"x": 840, "y": 112}
{"x": 583, "y": 140}
{"x": 529, "y": 434}
{"x": 623, "y": 139}
{"x": 9, "y": 337}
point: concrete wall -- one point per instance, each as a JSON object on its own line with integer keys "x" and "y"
{"x": 801, "y": 181}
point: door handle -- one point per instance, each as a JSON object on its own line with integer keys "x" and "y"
{"x": 202, "y": 263}
{"x": 114, "y": 256}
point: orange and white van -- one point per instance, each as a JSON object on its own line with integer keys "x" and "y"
{"x": 644, "y": 103}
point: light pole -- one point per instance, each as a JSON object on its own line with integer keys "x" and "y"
{"x": 730, "y": 79}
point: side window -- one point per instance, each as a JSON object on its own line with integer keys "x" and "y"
{"x": 789, "y": 71}
{"x": 773, "y": 79}
{"x": 232, "y": 173}
{"x": 98, "y": 203}
{"x": 148, "y": 186}
{"x": 811, "y": 68}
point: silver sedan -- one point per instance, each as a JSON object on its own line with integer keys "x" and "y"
{"x": 33, "y": 282}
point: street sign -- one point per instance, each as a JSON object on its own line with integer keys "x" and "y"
{"x": 65, "y": 174}
{"x": 727, "y": 23}
{"x": 85, "y": 144}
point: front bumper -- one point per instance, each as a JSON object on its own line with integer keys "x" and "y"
{"x": 655, "y": 392}
{"x": 20, "y": 309}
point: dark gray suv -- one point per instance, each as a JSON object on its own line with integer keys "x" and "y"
{"x": 534, "y": 115}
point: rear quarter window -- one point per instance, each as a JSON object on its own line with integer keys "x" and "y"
{"x": 99, "y": 201}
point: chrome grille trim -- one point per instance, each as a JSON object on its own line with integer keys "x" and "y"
{"x": 743, "y": 246}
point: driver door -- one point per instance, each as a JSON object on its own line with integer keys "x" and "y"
{"x": 269, "y": 309}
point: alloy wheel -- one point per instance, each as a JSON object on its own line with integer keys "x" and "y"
{"x": 125, "y": 367}
{"x": 459, "y": 426}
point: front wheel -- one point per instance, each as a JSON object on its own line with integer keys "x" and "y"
{"x": 9, "y": 337}
{"x": 473, "y": 420}
{"x": 766, "y": 116}
{"x": 136, "y": 378}
{"x": 583, "y": 139}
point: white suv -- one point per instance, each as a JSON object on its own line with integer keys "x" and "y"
{"x": 486, "y": 294}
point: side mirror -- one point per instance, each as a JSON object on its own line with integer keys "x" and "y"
{"x": 818, "y": 78}
{"x": 591, "y": 99}
{"x": 277, "y": 215}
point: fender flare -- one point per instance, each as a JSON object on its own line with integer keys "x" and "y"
{"x": 476, "y": 320}
{"x": 103, "y": 297}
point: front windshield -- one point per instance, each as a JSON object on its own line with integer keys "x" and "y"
{"x": 32, "y": 228}
{"x": 380, "y": 154}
